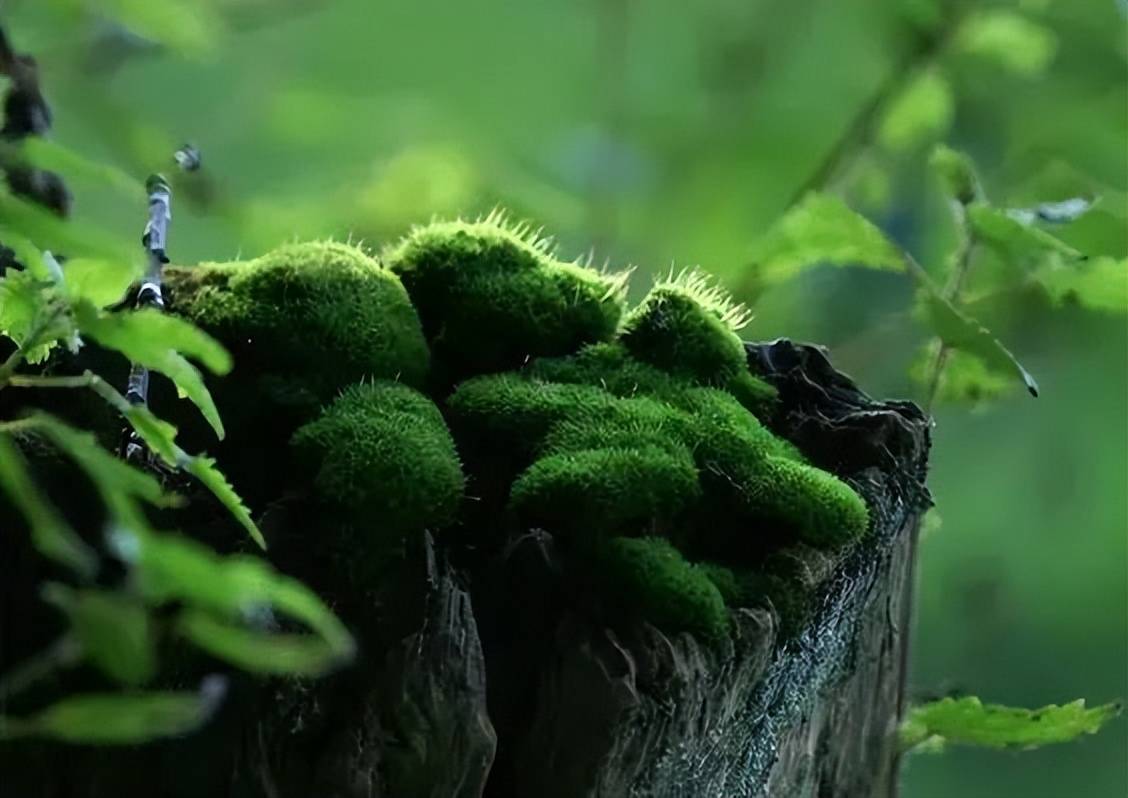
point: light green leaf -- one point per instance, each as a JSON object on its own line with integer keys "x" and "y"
{"x": 957, "y": 174}
{"x": 1010, "y": 40}
{"x": 258, "y": 652}
{"x": 960, "y": 332}
{"x": 821, "y": 229}
{"x": 1098, "y": 284}
{"x": 68, "y": 236}
{"x": 115, "y": 631}
{"x": 1016, "y": 243}
{"x": 51, "y": 156}
{"x": 156, "y": 341}
{"x": 101, "y": 282}
{"x": 921, "y": 113}
{"x": 204, "y": 469}
{"x": 25, "y": 304}
{"x": 50, "y": 533}
{"x": 971, "y": 722}
{"x": 177, "y": 569}
{"x": 120, "y": 718}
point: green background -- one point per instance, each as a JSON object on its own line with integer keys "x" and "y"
{"x": 666, "y": 134}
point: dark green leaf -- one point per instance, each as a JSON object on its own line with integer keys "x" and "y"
{"x": 120, "y": 719}
{"x": 961, "y": 332}
{"x": 969, "y": 721}
{"x": 965, "y": 378}
{"x": 258, "y": 652}
{"x": 50, "y": 533}
{"x": 115, "y": 631}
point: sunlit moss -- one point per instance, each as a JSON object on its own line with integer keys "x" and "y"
{"x": 491, "y": 295}
{"x": 382, "y": 453}
{"x": 649, "y": 577}
{"x": 305, "y": 320}
{"x": 596, "y": 492}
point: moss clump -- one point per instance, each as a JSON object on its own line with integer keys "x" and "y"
{"x": 491, "y": 296}
{"x": 650, "y": 577}
{"x": 382, "y": 453}
{"x": 305, "y": 320}
{"x": 688, "y": 329}
{"x": 595, "y": 493}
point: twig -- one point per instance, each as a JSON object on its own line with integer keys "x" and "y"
{"x": 63, "y": 653}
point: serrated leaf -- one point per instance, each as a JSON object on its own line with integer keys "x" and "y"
{"x": 1014, "y": 242}
{"x": 1008, "y": 39}
{"x": 821, "y": 229}
{"x": 1099, "y": 284}
{"x": 114, "y": 630}
{"x": 204, "y": 469}
{"x": 24, "y": 301}
{"x": 969, "y": 721}
{"x": 961, "y": 332}
{"x": 51, "y": 535}
{"x": 957, "y": 174}
{"x": 120, "y": 718}
{"x": 156, "y": 341}
{"x": 921, "y": 113}
{"x": 255, "y": 651}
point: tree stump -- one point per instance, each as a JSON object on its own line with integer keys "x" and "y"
{"x": 476, "y": 678}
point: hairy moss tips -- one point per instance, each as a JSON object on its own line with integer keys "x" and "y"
{"x": 679, "y": 328}
{"x": 382, "y": 453}
{"x": 307, "y": 319}
{"x": 597, "y": 492}
{"x": 651, "y": 578}
{"x": 491, "y": 296}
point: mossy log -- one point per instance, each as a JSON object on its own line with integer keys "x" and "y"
{"x": 585, "y": 550}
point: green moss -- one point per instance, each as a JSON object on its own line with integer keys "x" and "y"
{"x": 649, "y": 577}
{"x": 306, "y": 320}
{"x": 593, "y": 493}
{"x": 725, "y": 580}
{"x": 823, "y": 510}
{"x": 492, "y": 296}
{"x": 382, "y": 453}
{"x": 688, "y": 328}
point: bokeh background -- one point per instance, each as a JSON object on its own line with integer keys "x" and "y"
{"x": 665, "y": 134}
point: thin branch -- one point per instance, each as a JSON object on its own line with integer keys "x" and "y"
{"x": 63, "y": 653}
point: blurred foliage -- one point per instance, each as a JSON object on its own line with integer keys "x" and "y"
{"x": 673, "y": 133}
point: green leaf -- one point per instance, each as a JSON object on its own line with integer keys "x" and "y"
{"x": 157, "y": 341}
{"x": 51, "y": 535}
{"x": 959, "y": 331}
{"x": 1099, "y": 284}
{"x": 25, "y": 304}
{"x": 1014, "y": 242}
{"x": 1008, "y": 39}
{"x": 204, "y": 469}
{"x": 957, "y": 174}
{"x": 187, "y": 26}
{"x": 965, "y": 378}
{"x": 51, "y": 156}
{"x": 923, "y": 112}
{"x": 258, "y": 652}
{"x": 177, "y": 569}
{"x": 120, "y": 719}
{"x": 115, "y": 631}
{"x": 101, "y": 282}
{"x": 821, "y": 229}
{"x": 969, "y": 721}
{"x": 69, "y": 236}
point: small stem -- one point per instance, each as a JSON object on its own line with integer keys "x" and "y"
{"x": 964, "y": 257}
{"x": 32, "y": 381}
{"x": 63, "y": 653}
